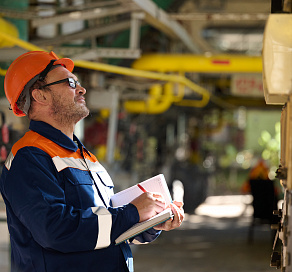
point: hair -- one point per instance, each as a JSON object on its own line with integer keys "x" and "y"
{"x": 22, "y": 97}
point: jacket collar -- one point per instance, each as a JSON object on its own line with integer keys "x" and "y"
{"x": 55, "y": 135}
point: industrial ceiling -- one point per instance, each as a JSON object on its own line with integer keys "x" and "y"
{"x": 120, "y": 32}
{"x": 92, "y": 29}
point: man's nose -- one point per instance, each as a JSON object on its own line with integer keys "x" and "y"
{"x": 80, "y": 89}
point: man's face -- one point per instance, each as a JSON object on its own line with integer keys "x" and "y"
{"x": 68, "y": 103}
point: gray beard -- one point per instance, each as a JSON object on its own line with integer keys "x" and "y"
{"x": 68, "y": 114}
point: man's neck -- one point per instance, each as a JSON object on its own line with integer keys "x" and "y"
{"x": 67, "y": 129}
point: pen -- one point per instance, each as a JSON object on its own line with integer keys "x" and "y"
{"x": 142, "y": 188}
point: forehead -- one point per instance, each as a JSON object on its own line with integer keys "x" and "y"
{"x": 58, "y": 73}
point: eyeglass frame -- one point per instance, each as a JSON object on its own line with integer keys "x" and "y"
{"x": 70, "y": 81}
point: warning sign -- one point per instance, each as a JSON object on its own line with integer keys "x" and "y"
{"x": 247, "y": 85}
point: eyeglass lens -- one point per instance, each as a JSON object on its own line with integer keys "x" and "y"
{"x": 73, "y": 83}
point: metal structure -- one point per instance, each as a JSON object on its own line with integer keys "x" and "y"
{"x": 104, "y": 18}
{"x": 277, "y": 60}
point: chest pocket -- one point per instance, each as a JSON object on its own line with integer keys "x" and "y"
{"x": 78, "y": 186}
{"x": 82, "y": 192}
{"x": 105, "y": 177}
{"x": 105, "y": 185}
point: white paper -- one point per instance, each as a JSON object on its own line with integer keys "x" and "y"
{"x": 156, "y": 184}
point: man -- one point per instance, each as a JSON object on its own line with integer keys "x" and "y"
{"x": 57, "y": 194}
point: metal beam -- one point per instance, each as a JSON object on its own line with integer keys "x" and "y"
{"x": 84, "y": 34}
{"x": 107, "y": 100}
{"x": 93, "y": 54}
{"x": 136, "y": 18}
{"x": 82, "y": 15}
{"x": 159, "y": 19}
{"x": 220, "y": 16}
{"x": 31, "y": 12}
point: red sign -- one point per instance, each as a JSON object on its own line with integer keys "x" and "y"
{"x": 247, "y": 85}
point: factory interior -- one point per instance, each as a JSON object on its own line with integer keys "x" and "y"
{"x": 173, "y": 88}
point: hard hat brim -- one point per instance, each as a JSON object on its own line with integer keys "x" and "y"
{"x": 66, "y": 62}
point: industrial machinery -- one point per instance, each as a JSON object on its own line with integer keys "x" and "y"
{"x": 277, "y": 78}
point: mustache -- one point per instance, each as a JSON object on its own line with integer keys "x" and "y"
{"x": 80, "y": 96}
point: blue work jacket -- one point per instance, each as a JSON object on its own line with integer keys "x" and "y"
{"x": 57, "y": 198}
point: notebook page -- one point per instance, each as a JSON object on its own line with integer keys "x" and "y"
{"x": 159, "y": 185}
{"x": 154, "y": 184}
{"x": 126, "y": 196}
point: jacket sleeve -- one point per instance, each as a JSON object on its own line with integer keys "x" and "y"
{"x": 146, "y": 237}
{"x": 38, "y": 201}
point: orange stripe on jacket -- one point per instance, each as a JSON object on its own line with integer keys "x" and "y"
{"x": 32, "y": 138}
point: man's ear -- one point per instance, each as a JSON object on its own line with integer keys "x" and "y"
{"x": 40, "y": 96}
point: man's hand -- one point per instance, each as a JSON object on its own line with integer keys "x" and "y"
{"x": 148, "y": 205}
{"x": 175, "y": 222}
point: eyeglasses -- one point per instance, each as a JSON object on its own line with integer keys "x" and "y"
{"x": 72, "y": 83}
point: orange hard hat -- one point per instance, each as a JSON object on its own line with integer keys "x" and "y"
{"x": 26, "y": 70}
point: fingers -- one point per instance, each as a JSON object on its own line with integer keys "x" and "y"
{"x": 177, "y": 220}
{"x": 159, "y": 200}
{"x": 178, "y": 204}
{"x": 178, "y": 215}
{"x": 149, "y": 204}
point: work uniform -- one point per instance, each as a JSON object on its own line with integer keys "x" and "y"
{"x": 57, "y": 198}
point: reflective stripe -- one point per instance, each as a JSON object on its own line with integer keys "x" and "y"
{"x": 62, "y": 163}
{"x": 9, "y": 160}
{"x": 104, "y": 227}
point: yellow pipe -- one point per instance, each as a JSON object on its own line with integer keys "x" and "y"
{"x": 151, "y": 75}
{"x": 21, "y": 43}
{"x": 157, "y": 102}
{"x": 123, "y": 70}
{"x": 2, "y": 72}
{"x": 7, "y": 27}
{"x": 199, "y": 63}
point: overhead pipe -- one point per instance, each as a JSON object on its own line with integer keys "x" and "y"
{"x": 151, "y": 75}
{"x": 157, "y": 102}
{"x": 164, "y": 63}
{"x": 21, "y": 43}
{"x": 7, "y": 27}
{"x": 124, "y": 71}
{"x": 2, "y": 72}
{"x": 199, "y": 63}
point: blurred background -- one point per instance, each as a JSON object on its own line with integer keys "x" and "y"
{"x": 181, "y": 93}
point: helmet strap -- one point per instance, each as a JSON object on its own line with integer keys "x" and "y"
{"x": 27, "y": 95}
{"x": 26, "y": 105}
{"x": 44, "y": 73}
